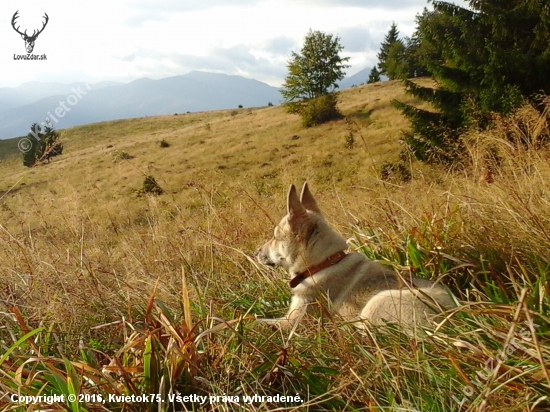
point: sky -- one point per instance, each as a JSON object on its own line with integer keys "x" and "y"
{"x": 123, "y": 40}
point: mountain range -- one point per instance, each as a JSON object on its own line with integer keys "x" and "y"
{"x": 82, "y": 103}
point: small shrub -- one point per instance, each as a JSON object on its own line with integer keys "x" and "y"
{"x": 164, "y": 143}
{"x": 270, "y": 104}
{"x": 150, "y": 187}
{"x": 240, "y": 106}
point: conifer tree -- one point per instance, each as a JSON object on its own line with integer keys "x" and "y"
{"x": 396, "y": 64}
{"x": 485, "y": 59}
{"x": 374, "y": 76}
{"x": 30, "y": 145}
{"x": 413, "y": 58}
{"x": 389, "y": 40}
{"x": 42, "y": 143}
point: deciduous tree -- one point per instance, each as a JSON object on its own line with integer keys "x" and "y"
{"x": 312, "y": 75}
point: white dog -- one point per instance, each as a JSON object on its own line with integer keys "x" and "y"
{"x": 353, "y": 286}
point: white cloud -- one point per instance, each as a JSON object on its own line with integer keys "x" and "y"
{"x": 124, "y": 40}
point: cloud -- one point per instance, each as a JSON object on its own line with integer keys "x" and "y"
{"x": 159, "y": 38}
{"x": 280, "y": 46}
{"x": 241, "y": 59}
{"x": 365, "y": 4}
{"x": 233, "y": 60}
{"x": 239, "y": 55}
{"x": 359, "y": 39}
{"x": 128, "y": 58}
{"x": 161, "y": 10}
{"x": 186, "y": 5}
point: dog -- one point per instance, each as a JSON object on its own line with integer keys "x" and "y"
{"x": 353, "y": 287}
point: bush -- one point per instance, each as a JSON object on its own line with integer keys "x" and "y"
{"x": 316, "y": 111}
{"x": 150, "y": 187}
{"x": 164, "y": 143}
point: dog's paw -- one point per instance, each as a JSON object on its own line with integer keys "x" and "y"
{"x": 271, "y": 323}
{"x": 267, "y": 321}
{"x": 280, "y": 323}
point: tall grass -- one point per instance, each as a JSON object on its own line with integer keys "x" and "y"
{"x": 159, "y": 296}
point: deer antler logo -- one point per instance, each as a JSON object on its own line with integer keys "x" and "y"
{"x": 29, "y": 40}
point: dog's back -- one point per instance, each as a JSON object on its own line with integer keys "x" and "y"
{"x": 358, "y": 288}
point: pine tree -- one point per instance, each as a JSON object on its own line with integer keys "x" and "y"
{"x": 309, "y": 88}
{"x": 41, "y": 144}
{"x": 30, "y": 144}
{"x": 413, "y": 58}
{"x": 374, "y": 76}
{"x": 396, "y": 64}
{"x": 485, "y": 59}
{"x": 49, "y": 144}
{"x": 389, "y": 40}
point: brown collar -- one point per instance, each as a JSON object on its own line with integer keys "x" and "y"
{"x": 331, "y": 260}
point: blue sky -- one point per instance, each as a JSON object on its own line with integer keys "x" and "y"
{"x": 123, "y": 40}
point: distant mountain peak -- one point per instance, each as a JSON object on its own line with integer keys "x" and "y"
{"x": 194, "y": 91}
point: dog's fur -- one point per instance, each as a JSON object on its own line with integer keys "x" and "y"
{"x": 354, "y": 288}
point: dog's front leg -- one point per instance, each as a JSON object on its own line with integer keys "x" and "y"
{"x": 297, "y": 310}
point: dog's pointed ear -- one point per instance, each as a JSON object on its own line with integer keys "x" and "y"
{"x": 308, "y": 201}
{"x": 296, "y": 211}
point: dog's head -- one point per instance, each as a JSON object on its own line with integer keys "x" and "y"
{"x": 302, "y": 238}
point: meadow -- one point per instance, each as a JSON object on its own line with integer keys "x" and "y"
{"x": 107, "y": 291}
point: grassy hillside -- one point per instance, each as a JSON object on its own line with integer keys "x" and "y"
{"x": 243, "y": 143}
{"x": 118, "y": 279}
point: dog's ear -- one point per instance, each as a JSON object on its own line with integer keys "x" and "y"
{"x": 296, "y": 211}
{"x": 307, "y": 200}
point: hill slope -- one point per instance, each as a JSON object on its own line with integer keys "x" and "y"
{"x": 225, "y": 144}
{"x": 82, "y": 256}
